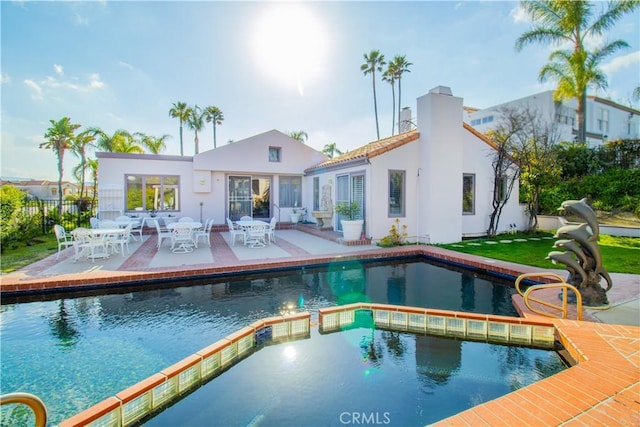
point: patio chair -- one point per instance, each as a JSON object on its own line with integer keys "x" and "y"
{"x": 136, "y": 225}
{"x": 182, "y": 239}
{"x": 186, "y": 219}
{"x": 95, "y": 222}
{"x": 270, "y": 231}
{"x": 161, "y": 234}
{"x": 86, "y": 241}
{"x": 235, "y": 232}
{"x": 205, "y": 233}
{"x": 256, "y": 236}
{"x": 120, "y": 239}
{"x": 64, "y": 240}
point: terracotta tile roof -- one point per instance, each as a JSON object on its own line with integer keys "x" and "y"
{"x": 372, "y": 149}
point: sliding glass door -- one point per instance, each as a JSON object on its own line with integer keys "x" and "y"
{"x": 249, "y": 196}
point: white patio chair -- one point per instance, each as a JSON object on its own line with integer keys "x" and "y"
{"x": 120, "y": 239}
{"x": 235, "y": 232}
{"x": 182, "y": 239}
{"x": 64, "y": 240}
{"x": 186, "y": 219}
{"x": 270, "y": 231}
{"x": 136, "y": 225}
{"x": 205, "y": 233}
{"x": 85, "y": 241}
{"x": 256, "y": 236}
{"x": 161, "y": 234}
{"x": 95, "y": 222}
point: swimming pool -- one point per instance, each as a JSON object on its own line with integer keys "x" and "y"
{"x": 78, "y": 348}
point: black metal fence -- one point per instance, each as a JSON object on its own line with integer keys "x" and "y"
{"x": 45, "y": 213}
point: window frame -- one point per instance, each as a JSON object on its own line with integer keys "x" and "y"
{"x": 403, "y": 194}
{"x": 278, "y": 152}
{"x": 162, "y": 192}
{"x": 290, "y": 200}
{"x": 472, "y": 176}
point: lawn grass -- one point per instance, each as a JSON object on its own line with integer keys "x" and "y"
{"x": 14, "y": 259}
{"x": 619, "y": 254}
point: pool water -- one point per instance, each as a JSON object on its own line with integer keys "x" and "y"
{"x": 383, "y": 377}
{"x": 76, "y": 351}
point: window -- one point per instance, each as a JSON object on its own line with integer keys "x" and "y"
{"x": 603, "y": 120}
{"x": 274, "y": 154}
{"x": 54, "y": 191}
{"x": 487, "y": 119}
{"x": 290, "y": 191}
{"x": 396, "y": 193}
{"x": 147, "y": 192}
{"x": 500, "y": 192}
{"x": 468, "y": 194}
{"x": 316, "y": 193}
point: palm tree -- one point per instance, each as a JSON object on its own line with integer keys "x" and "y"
{"x": 79, "y": 147}
{"x": 401, "y": 66}
{"x": 390, "y": 76}
{"x": 120, "y": 142}
{"x": 60, "y": 137}
{"x": 374, "y": 61}
{"x": 153, "y": 144}
{"x": 299, "y": 135}
{"x": 92, "y": 165}
{"x": 195, "y": 122}
{"x": 213, "y": 115}
{"x": 181, "y": 111}
{"x": 572, "y": 22}
{"x": 331, "y": 150}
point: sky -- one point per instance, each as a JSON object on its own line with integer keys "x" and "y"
{"x": 266, "y": 65}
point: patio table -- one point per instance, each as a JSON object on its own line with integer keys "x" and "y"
{"x": 255, "y": 232}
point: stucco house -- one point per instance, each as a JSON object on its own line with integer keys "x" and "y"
{"x": 418, "y": 177}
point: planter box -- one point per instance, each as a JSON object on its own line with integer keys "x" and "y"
{"x": 352, "y": 230}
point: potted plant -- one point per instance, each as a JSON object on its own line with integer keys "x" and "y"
{"x": 294, "y": 216}
{"x": 351, "y": 227}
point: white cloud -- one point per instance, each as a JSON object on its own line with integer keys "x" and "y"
{"x": 58, "y": 69}
{"x": 5, "y": 79}
{"x": 81, "y": 20}
{"x": 518, "y": 15}
{"x": 620, "y": 62}
{"x": 36, "y": 90}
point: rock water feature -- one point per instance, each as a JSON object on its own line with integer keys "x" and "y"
{"x": 581, "y": 254}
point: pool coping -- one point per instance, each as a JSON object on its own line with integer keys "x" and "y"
{"x": 604, "y": 388}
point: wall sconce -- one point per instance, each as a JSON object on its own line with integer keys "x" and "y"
{"x": 202, "y": 182}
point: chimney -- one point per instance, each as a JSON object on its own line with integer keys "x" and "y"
{"x": 405, "y": 120}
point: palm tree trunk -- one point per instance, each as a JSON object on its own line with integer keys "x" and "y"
{"x": 60, "y": 173}
{"x": 375, "y": 104}
{"x": 393, "y": 114}
{"x": 399, "y": 103}
{"x": 582, "y": 112}
{"x": 214, "y": 134}
{"x": 197, "y": 143}
{"x": 181, "y": 146}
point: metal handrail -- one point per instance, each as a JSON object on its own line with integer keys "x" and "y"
{"x": 559, "y": 285}
{"x": 32, "y": 401}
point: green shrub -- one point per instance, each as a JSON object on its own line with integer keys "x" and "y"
{"x": 395, "y": 237}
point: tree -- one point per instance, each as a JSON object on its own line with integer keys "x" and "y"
{"x": 505, "y": 170}
{"x": 572, "y": 22}
{"x": 92, "y": 165}
{"x": 374, "y": 61}
{"x": 213, "y": 115}
{"x": 79, "y": 147}
{"x": 400, "y": 66}
{"x": 180, "y": 111}
{"x": 533, "y": 148}
{"x": 153, "y": 144}
{"x": 60, "y": 136}
{"x": 299, "y": 135}
{"x": 195, "y": 121}
{"x": 120, "y": 142}
{"x": 331, "y": 150}
{"x": 390, "y": 76}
